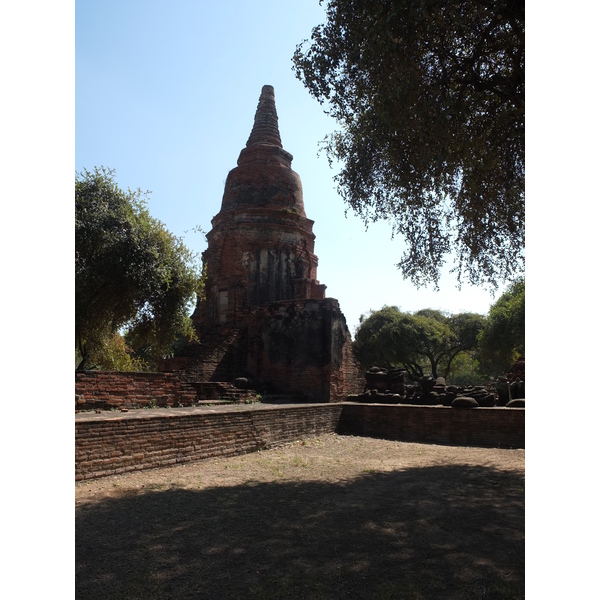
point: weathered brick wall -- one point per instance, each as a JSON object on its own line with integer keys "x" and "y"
{"x": 304, "y": 347}
{"x": 107, "y": 445}
{"x": 112, "y": 389}
{"x": 346, "y": 379}
{"x": 215, "y": 358}
{"x": 504, "y": 427}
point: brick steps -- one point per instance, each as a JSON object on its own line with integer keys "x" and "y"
{"x": 222, "y": 390}
{"x": 213, "y": 359}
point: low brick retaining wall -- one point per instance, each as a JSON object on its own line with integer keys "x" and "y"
{"x": 115, "y": 389}
{"x": 112, "y": 443}
{"x": 487, "y": 427}
{"x": 109, "y": 445}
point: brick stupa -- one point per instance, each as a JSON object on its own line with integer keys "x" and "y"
{"x": 265, "y": 316}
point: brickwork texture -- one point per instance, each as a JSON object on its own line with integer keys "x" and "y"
{"x": 113, "y": 389}
{"x": 261, "y": 281}
{"x": 111, "y": 445}
{"x": 125, "y": 443}
{"x": 487, "y": 427}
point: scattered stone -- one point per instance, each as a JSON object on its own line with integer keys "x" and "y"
{"x": 503, "y": 389}
{"x": 447, "y": 399}
{"x": 517, "y": 403}
{"x": 517, "y": 389}
{"x": 430, "y": 391}
{"x": 487, "y": 401}
{"x": 241, "y": 383}
{"x": 432, "y": 398}
{"x": 464, "y": 402}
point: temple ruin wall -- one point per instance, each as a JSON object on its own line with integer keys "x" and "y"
{"x": 107, "y": 444}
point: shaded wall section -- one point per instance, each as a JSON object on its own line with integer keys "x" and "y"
{"x": 304, "y": 346}
{"x": 487, "y": 427}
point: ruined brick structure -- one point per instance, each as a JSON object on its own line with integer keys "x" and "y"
{"x": 261, "y": 246}
{"x": 265, "y": 315}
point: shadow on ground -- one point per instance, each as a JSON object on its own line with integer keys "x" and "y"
{"x": 447, "y": 532}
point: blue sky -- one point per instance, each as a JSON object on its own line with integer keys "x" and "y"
{"x": 165, "y": 94}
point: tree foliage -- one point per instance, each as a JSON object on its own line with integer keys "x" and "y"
{"x": 502, "y": 340}
{"x": 413, "y": 340}
{"x": 431, "y": 99}
{"x": 466, "y": 370}
{"x": 115, "y": 355}
{"x": 130, "y": 272}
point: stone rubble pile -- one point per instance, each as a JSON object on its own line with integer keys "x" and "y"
{"x": 393, "y": 386}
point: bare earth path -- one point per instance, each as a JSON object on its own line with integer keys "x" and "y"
{"x": 332, "y": 517}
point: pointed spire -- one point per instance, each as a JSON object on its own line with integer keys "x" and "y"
{"x": 265, "y": 130}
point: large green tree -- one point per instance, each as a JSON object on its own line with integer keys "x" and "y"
{"x": 502, "y": 340}
{"x": 427, "y": 338}
{"x": 430, "y": 96}
{"x": 130, "y": 272}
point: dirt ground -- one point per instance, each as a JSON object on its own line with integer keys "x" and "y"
{"x": 327, "y": 518}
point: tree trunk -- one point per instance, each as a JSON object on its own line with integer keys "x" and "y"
{"x": 415, "y": 372}
{"x": 450, "y": 359}
{"x": 83, "y": 353}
